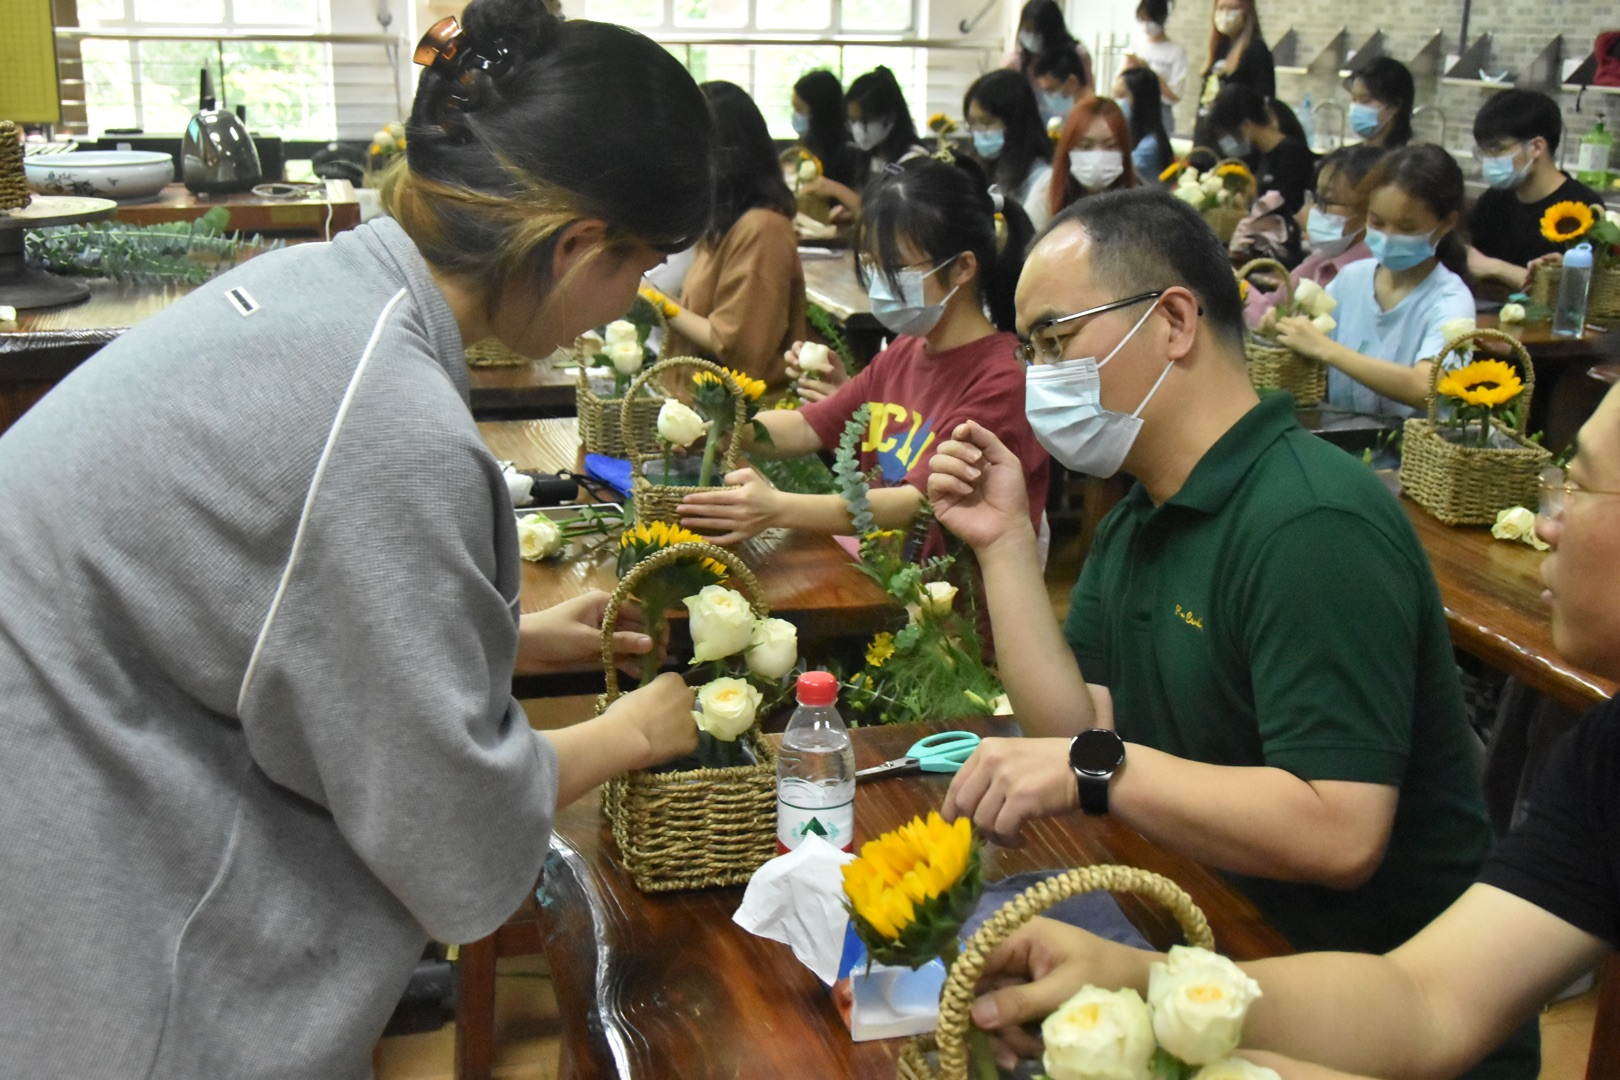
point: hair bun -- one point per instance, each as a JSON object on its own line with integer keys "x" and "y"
{"x": 522, "y": 26}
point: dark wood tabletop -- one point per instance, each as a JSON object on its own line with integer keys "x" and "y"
{"x": 829, "y": 280}
{"x": 315, "y": 214}
{"x": 807, "y": 578}
{"x": 540, "y": 388}
{"x": 664, "y": 985}
{"x": 1492, "y": 591}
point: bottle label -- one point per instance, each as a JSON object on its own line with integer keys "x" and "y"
{"x": 834, "y": 824}
{"x": 1594, "y": 157}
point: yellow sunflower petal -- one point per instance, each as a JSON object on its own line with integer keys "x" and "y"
{"x": 1566, "y": 221}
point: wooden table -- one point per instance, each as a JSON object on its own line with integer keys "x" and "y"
{"x": 664, "y": 985}
{"x": 305, "y": 216}
{"x": 829, "y": 280}
{"x": 807, "y": 578}
{"x": 538, "y": 389}
{"x": 1492, "y": 592}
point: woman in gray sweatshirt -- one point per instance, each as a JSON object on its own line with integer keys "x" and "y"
{"x": 259, "y": 597}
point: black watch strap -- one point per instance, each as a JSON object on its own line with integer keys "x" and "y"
{"x": 1093, "y": 793}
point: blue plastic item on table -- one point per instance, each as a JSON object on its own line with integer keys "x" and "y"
{"x": 610, "y": 470}
{"x": 945, "y": 751}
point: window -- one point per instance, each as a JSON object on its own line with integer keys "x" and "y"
{"x": 149, "y": 83}
{"x": 769, "y": 69}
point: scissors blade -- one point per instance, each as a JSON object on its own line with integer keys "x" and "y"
{"x": 889, "y": 768}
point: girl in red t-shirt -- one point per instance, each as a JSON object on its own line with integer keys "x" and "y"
{"x": 940, "y": 256}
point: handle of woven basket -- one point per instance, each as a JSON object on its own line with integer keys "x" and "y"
{"x": 740, "y": 575}
{"x": 1275, "y": 267}
{"x": 739, "y": 404}
{"x": 956, "y": 999}
{"x": 1527, "y": 371}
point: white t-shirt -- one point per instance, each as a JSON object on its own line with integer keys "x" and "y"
{"x": 1168, "y": 61}
{"x": 1034, "y": 196}
{"x": 1405, "y": 334}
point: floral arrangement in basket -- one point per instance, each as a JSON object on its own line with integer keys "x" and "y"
{"x": 1273, "y": 365}
{"x": 807, "y": 169}
{"x": 720, "y": 406}
{"x": 621, "y": 346}
{"x": 1568, "y": 224}
{"x": 1310, "y": 301}
{"x": 387, "y": 144}
{"x": 1229, "y": 184}
{"x": 942, "y": 127}
{"x": 934, "y": 667}
{"x": 712, "y": 416}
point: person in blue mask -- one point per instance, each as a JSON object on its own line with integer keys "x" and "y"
{"x": 1010, "y": 141}
{"x": 822, "y": 125}
{"x": 1060, "y": 80}
{"x": 939, "y": 257}
{"x": 1381, "y": 95}
{"x": 883, "y": 133}
{"x": 1516, "y": 135}
{"x": 1215, "y": 686}
{"x": 1042, "y": 31}
{"x": 1267, "y": 135}
{"x": 1136, "y": 91}
{"x": 1393, "y": 307}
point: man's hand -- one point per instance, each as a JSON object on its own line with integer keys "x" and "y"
{"x": 569, "y": 635}
{"x": 736, "y": 514}
{"x": 1009, "y": 782}
{"x": 977, "y": 487}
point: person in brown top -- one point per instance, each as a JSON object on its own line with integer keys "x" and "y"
{"x": 743, "y": 302}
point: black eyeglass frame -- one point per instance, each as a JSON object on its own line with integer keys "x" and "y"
{"x": 1026, "y": 350}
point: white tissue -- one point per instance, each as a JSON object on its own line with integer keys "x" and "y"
{"x": 518, "y": 485}
{"x": 797, "y": 899}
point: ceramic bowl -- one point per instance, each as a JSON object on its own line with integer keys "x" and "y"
{"x": 108, "y": 174}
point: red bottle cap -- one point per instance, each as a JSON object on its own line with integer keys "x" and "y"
{"x": 817, "y": 688}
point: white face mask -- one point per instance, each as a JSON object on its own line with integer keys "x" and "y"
{"x": 1096, "y": 169}
{"x": 908, "y": 312}
{"x": 1152, "y": 29}
{"x": 1229, "y": 22}
{"x": 1030, "y": 41}
{"x": 1063, "y": 402}
{"x": 867, "y": 134}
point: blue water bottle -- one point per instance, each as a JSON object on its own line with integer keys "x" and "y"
{"x": 1569, "y": 312}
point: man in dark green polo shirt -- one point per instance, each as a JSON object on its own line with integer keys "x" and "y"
{"x": 1256, "y": 621}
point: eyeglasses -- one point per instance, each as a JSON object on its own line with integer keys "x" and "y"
{"x": 1557, "y": 492}
{"x": 1500, "y": 149}
{"x": 1043, "y": 346}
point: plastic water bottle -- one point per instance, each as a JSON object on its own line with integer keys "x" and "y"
{"x": 815, "y": 770}
{"x": 1569, "y": 312}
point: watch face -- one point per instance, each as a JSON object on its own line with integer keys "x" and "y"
{"x": 1097, "y": 751}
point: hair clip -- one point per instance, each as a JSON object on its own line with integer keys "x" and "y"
{"x": 893, "y": 168}
{"x": 445, "y": 48}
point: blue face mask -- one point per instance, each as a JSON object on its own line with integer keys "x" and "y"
{"x": 908, "y": 312}
{"x": 1323, "y": 227}
{"x": 1124, "y": 104}
{"x": 990, "y": 143}
{"x": 1364, "y": 119}
{"x": 1055, "y": 106}
{"x": 1501, "y": 172}
{"x": 801, "y": 123}
{"x": 1399, "y": 251}
{"x": 1233, "y": 147}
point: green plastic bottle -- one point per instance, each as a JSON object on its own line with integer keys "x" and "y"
{"x": 1592, "y": 165}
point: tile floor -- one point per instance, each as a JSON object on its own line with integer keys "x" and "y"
{"x": 527, "y": 1024}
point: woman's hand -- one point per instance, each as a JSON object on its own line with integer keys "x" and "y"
{"x": 660, "y": 716}
{"x": 818, "y": 386}
{"x": 977, "y": 487}
{"x": 1268, "y": 323}
{"x": 1304, "y": 337}
{"x": 746, "y": 510}
{"x": 569, "y": 635}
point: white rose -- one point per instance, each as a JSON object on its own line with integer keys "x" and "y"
{"x": 1235, "y": 1069}
{"x": 678, "y": 425}
{"x": 1001, "y": 705}
{"x": 1190, "y": 194}
{"x": 814, "y": 358}
{"x": 1518, "y": 523}
{"x": 518, "y": 485}
{"x": 627, "y": 356}
{"x": 1612, "y": 217}
{"x": 726, "y": 708}
{"x": 808, "y": 171}
{"x": 1324, "y": 323}
{"x": 619, "y": 331}
{"x": 773, "y": 649}
{"x": 1313, "y": 299}
{"x": 1099, "y": 1035}
{"x": 1199, "y": 1002}
{"x": 721, "y": 622}
{"x": 1455, "y": 329}
{"x": 1512, "y": 313}
{"x": 937, "y": 598}
{"x": 538, "y": 537}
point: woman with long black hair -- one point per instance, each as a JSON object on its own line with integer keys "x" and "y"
{"x": 743, "y": 301}
{"x": 882, "y": 130}
{"x": 1042, "y": 31}
{"x": 1137, "y": 93}
{"x": 820, "y": 121}
{"x": 1010, "y": 141}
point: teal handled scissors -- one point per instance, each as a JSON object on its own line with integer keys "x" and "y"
{"x": 944, "y": 752}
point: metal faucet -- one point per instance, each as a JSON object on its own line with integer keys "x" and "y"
{"x": 1316, "y": 123}
{"x": 1438, "y": 111}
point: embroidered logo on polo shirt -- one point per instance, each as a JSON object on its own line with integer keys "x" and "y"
{"x": 1188, "y": 617}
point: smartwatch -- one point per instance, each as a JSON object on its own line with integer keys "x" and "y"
{"x": 1094, "y": 756}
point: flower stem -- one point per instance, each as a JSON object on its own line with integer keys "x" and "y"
{"x": 706, "y": 473}
{"x": 655, "y": 631}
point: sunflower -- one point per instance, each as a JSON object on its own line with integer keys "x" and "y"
{"x": 1172, "y": 171}
{"x": 940, "y": 124}
{"x": 1566, "y": 221}
{"x": 911, "y": 889}
{"x": 1234, "y": 168}
{"x": 1243, "y": 290}
{"x": 1488, "y": 383}
{"x": 647, "y": 538}
{"x": 751, "y": 388}
{"x": 881, "y": 649}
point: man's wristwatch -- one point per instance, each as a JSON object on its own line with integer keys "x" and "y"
{"x": 1095, "y": 756}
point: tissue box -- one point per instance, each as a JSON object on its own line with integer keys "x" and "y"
{"x": 885, "y": 1002}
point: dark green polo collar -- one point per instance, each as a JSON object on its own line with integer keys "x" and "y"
{"x": 1222, "y": 468}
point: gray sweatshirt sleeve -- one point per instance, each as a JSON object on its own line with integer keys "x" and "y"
{"x": 379, "y": 685}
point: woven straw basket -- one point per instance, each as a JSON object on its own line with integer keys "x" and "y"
{"x": 662, "y": 502}
{"x": 1468, "y": 485}
{"x": 950, "y": 1037}
{"x": 700, "y": 827}
{"x": 1225, "y": 219}
{"x": 491, "y": 353}
{"x": 1602, "y": 299}
{"x": 1277, "y": 367}
{"x": 599, "y": 430}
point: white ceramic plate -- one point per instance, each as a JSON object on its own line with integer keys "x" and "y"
{"x": 124, "y": 175}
